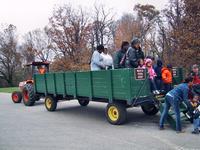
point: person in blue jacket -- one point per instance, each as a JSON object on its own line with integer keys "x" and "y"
{"x": 174, "y": 98}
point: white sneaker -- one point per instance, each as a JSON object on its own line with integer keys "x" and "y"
{"x": 156, "y": 92}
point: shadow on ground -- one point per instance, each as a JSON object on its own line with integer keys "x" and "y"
{"x": 134, "y": 115}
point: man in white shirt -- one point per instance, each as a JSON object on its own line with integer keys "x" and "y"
{"x": 97, "y": 59}
{"x": 107, "y": 59}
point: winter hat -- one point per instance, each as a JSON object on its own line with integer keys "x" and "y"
{"x": 169, "y": 66}
{"x": 148, "y": 60}
{"x": 135, "y": 41}
{"x": 159, "y": 63}
{"x": 195, "y": 66}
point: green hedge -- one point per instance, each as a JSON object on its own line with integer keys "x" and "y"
{"x": 9, "y": 89}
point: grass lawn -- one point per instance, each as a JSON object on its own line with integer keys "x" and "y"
{"x": 9, "y": 89}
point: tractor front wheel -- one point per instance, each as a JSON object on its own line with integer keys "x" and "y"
{"x": 16, "y": 97}
{"x": 116, "y": 113}
{"x": 50, "y": 103}
{"x": 28, "y": 95}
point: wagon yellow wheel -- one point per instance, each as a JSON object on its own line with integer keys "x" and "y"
{"x": 116, "y": 113}
{"x": 113, "y": 113}
{"x": 50, "y": 103}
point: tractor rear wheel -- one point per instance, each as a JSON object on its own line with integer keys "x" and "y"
{"x": 116, "y": 113}
{"x": 83, "y": 102}
{"x": 50, "y": 103}
{"x": 16, "y": 97}
{"x": 149, "y": 109}
{"x": 28, "y": 95}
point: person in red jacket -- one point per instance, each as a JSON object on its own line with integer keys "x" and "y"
{"x": 195, "y": 74}
{"x": 167, "y": 78}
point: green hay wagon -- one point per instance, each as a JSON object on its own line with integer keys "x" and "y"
{"x": 121, "y": 89}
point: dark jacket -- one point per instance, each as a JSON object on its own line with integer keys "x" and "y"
{"x": 139, "y": 54}
{"x": 118, "y": 58}
{"x": 158, "y": 69}
{"x": 132, "y": 57}
{"x": 196, "y": 89}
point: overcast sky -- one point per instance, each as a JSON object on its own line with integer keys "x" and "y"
{"x": 28, "y": 15}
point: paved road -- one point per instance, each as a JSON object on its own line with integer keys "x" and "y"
{"x": 72, "y": 127}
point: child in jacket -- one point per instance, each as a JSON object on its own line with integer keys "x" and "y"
{"x": 167, "y": 78}
{"x": 152, "y": 76}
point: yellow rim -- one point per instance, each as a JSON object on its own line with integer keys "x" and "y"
{"x": 48, "y": 103}
{"x": 113, "y": 113}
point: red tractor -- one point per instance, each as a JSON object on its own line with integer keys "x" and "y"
{"x": 26, "y": 87}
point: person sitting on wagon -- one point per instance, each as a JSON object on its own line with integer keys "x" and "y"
{"x": 174, "y": 98}
{"x": 152, "y": 75}
{"x": 107, "y": 59}
{"x": 97, "y": 59}
{"x": 158, "y": 70}
{"x": 167, "y": 78}
{"x": 141, "y": 64}
{"x": 133, "y": 54}
{"x": 120, "y": 56}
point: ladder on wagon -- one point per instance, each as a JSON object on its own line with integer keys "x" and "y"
{"x": 171, "y": 115}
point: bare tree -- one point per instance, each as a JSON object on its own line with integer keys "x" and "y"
{"x": 9, "y": 57}
{"x": 146, "y": 17}
{"x": 102, "y": 26}
{"x": 126, "y": 27}
{"x": 36, "y": 46}
{"x": 69, "y": 30}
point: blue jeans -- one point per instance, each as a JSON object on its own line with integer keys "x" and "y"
{"x": 196, "y": 123}
{"x": 171, "y": 101}
{"x": 167, "y": 87}
{"x": 152, "y": 85}
{"x": 159, "y": 84}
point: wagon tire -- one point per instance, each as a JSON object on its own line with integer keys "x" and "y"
{"x": 83, "y": 102}
{"x": 150, "y": 109}
{"x": 16, "y": 97}
{"x": 116, "y": 113}
{"x": 37, "y": 97}
{"x": 50, "y": 103}
{"x": 28, "y": 95}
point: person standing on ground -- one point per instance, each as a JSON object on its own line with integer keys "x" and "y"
{"x": 120, "y": 56}
{"x": 174, "y": 98}
{"x": 196, "y": 114}
{"x": 167, "y": 78}
{"x": 97, "y": 59}
{"x": 133, "y": 54}
{"x": 195, "y": 74}
{"x": 107, "y": 59}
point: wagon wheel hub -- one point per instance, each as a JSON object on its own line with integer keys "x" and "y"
{"x": 15, "y": 97}
{"x": 26, "y": 95}
{"x": 48, "y": 103}
{"x": 113, "y": 113}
